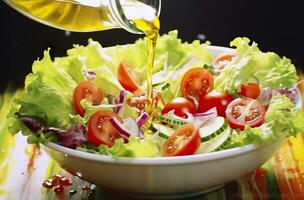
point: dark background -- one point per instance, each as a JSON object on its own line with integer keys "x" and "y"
{"x": 275, "y": 25}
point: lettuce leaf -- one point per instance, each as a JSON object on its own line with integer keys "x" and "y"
{"x": 147, "y": 147}
{"x": 136, "y": 147}
{"x": 91, "y": 57}
{"x": 269, "y": 69}
{"x": 48, "y": 93}
{"x": 281, "y": 120}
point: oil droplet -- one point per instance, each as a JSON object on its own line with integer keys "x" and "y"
{"x": 47, "y": 184}
{"x": 78, "y": 174}
{"x": 201, "y": 37}
{"x": 92, "y": 187}
{"x": 72, "y": 191}
{"x": 67, "y": 33}
{"x": 66, "y": 155}
{"x": 291, "y": 171}
{"x": 85, "y": 187}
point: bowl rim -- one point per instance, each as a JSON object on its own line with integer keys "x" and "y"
{"x": 168, "y": 160}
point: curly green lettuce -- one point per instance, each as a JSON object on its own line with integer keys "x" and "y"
{"x": 136, "y": 147}
{"x": 269, "y": 69}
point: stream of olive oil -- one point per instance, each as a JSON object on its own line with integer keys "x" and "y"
{"x": 151, "y": 29}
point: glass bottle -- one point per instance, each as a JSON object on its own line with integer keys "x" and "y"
{"x": 88, "y": 15}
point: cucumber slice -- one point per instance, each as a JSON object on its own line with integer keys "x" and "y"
{"x": 213, "y": 128}
{"x": 215, "y": 143}
{"x": 164, "y": 131}
{"x": 227, "y": 142}
{"x": 223, "y": 146}
{"x": 171, "y": 121}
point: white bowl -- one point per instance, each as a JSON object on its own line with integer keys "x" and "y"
{"x": 164, "y": 175}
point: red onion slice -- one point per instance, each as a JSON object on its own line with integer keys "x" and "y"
{"x": 143, "y": 117}
{"x": 119, "y": 127}
{"x": 122, "y": 95}
{"x": 90, "y": 75}
{"x": 121, "y": 99}
{"x": 201, "y": 118}
{"x": 212, "y": 111}
{"x": 127, "y": 128}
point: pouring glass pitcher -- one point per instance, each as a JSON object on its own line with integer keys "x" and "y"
{"x": 88, "y": 15}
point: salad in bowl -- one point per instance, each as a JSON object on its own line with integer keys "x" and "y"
{"x": 93, "y": 100}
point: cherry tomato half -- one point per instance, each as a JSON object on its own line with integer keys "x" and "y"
{"x": 251, "y": 90}
{"x": 220, "y": 62}
{"x": 184, "y": 141}
{"x": 125, "y": 77}
{"x": 86, "y": 90}
{"x": 220, "y": 100}
{"x": 180, "y": 105}
{"x": 196, "y": 82}
{"x": 241, "y": 112}
{"x": 101, "y": 130}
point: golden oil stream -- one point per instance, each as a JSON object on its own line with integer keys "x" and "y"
{"x": 151, "y": 29}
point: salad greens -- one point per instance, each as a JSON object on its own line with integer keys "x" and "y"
{"x": 281, "y": 120}
{"x": 268, "y": 68}
{"x": 135, "y": 147}
{"x": 49, "y": 90}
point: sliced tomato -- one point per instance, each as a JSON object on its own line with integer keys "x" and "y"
{"x": 220, "y": 62}
{"x": 251, "y": 90}
{"x": 196, "y": 82}
{"x": 184, "y": 141}
{"x": 86, "y": 90}
{"x": 180, "y": 105}
{"x": 241, "y": 112}
{"x": 220, "y": 100}
{"x": 101, "y": 130}
{"x": 125, "y": 77}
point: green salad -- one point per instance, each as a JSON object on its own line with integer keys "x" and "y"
{"x": 94, "y": 99}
